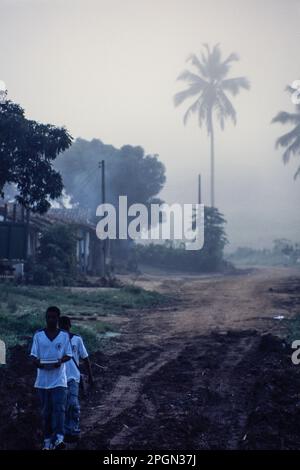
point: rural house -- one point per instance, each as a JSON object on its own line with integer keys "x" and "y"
{"x": 20, "y": 232}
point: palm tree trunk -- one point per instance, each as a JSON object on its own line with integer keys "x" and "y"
{"x": 212, "y": 161}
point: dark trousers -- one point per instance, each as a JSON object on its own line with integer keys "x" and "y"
{"x": 53, "y": 404}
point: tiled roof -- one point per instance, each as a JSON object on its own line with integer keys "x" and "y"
{"x": 75, "y": 215}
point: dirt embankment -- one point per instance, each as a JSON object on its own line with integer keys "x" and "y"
{"x": 210, "y": 373}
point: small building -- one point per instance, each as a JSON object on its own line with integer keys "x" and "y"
{"x": 20, "y": 233}
{"x": 89, "y": 248}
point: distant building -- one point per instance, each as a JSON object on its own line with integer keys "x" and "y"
{"x": 20, "y": 234}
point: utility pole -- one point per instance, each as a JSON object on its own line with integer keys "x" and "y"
{"x": 199, "y": 190}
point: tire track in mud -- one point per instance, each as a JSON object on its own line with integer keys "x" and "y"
{"x": 212, "y": 388}
{"x": 220, "y": 391}
{"x": 224, "y": 383}
{"x": 172, "y": 388}
{"x": 126, "y": 392}
{"x": 130, "y": 398}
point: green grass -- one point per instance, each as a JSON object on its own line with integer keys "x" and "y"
{"x": 22, "y": 309}
{"x": 71, "y": 302}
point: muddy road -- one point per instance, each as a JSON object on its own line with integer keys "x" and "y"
{"x": 210, "y": 371}
{"x": 210, "y": 303}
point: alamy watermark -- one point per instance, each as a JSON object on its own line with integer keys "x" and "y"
{"x": 296, "y": 353}
{"x": 2, "y": 352}
{"x": 184, "y": 222}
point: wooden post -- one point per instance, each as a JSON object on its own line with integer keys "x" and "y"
{"x": 103, "y": 261}
{"x": 27, "y": 233}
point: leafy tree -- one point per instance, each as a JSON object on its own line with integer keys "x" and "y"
{"x": 27, "y": 152}
{"x": 291, "y": 140}
{"x": 215, "y": 238}
{"x": 283, "y": 253}
{"x": 281, "y": 245}
{"x": 128, "y": 171}
{"x": 56, "y": 259}
{"x": 208, "y": 83}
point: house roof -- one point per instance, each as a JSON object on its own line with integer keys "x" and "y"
{"x": 77, "y": 216}
{"x": 72, "y": 215}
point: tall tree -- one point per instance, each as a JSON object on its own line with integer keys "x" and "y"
{"x": 291, "y": 140}
{"x": 128, "y": 171}
{"x": 208, "y": 83}
{"x": 27, "y": 152}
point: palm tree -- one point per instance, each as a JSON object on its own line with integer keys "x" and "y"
{"x": 209, "y": 83}
{"x": 291, "y": 140}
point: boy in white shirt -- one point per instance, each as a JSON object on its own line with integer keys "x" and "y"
{"x": 72, "y": 420}
{"x": 51, "y": 350}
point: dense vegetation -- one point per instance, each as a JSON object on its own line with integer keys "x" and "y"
{"x": 55, "y": 263}
{"x": 283, "y": 252}
{"x": 27, "y": 152}
{"x": 171, "y": 256}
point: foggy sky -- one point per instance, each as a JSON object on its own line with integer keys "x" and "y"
{"x": 108, "y": 69}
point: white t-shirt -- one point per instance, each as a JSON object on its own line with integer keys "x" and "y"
{"x": 79, "y": 352}
{"x": 45, "y": 349}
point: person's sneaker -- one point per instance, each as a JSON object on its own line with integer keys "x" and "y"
{"x": 47, "y": 444}
{"x": 59, "y": 443}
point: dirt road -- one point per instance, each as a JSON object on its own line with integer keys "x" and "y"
{"x": 204, "y": 373}
{"x": 209, "y": 371}
{"x": 209, "y": 303}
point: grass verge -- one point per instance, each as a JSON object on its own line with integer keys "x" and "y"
{"x": 22, "y": 309}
